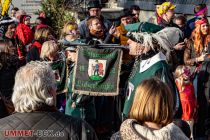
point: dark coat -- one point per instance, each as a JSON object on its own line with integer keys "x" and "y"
{"x": 67, "y": 128}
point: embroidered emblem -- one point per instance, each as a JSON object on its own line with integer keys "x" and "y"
{"x": 96, "y": 69}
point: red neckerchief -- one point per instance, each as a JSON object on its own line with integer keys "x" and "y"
{"x": 37, "y": 45}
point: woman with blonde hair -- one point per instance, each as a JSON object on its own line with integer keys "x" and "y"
{"x": 51, "y": 53}
{"x": 42, "y": 34}
{"x": 49, "y": 50}
{"x": 187, "y": 95}
{"x": 151, "y": 114}
{"x": 196, "y": 56}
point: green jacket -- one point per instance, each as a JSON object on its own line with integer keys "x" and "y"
{"x": 160, "y": 70}
{"x": 85, "y": 108}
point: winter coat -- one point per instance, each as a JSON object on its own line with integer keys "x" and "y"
{"x": 131, "y": 130}
{"x": 66, "y": 127}
{"x": 24, "y": 34}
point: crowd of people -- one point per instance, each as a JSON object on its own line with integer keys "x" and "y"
{"x": 164, "y": 79}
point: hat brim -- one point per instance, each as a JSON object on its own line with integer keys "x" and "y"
{"x": 100, "y": 7}
{"x": 70, "y": 49}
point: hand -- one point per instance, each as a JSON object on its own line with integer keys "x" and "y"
{"x": 112, "y": 30}
{"x": 73, "y": 105}
{"x": 201, "y": 58}
{"x": 116, "y": 33}
{"x": 179, "y": 46}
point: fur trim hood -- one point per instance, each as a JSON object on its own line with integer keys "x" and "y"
{"x": 131, "y": 130}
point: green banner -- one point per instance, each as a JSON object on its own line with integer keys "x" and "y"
{"x": 97, "y": 71}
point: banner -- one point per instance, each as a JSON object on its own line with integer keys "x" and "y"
{"x": 97, "y": 71}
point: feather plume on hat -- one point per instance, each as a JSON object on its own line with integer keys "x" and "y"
{"x": 165, "y": 39}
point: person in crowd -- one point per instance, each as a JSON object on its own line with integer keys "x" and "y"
{"x": 152, "y": 53}
{"x": 151, "y": 114}
{"x": 50, "y": 52}
{"x": 94, "y": 9}
{"x": 24, "y": 35}
{"x": 78, "y": 105}
{"x": 40, "y": 21}
{"x": 19, "y": 13}
{"x": 135, "y": 10}
{"x": 7, "y": 29}
{"x": 155, "y": 19}
{"x": 34, "y": 102}
{"x": 195, "y": 56}
{"x": 70, "y": 34}
{"x": 187, "y": 95}
{"x": 10, "y": 32}
{"x": 13, "y": 14}
{"x": 42, "y": 34}
{"x": 9, "y": 64}
{"x": 165, "y": 12}
{"x": 180, "y": 21}
{"x": 200, "y": 11}
{"x": 104, "y": 105}
{"x": 98, "y": 33}
{"x": 13, "y": 11}
{"x": 125, "y": 19}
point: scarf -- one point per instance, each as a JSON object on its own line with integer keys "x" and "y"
{"x": 97, "y": 34}
{"x": 38, "y": 46}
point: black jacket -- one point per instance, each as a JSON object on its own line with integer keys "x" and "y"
{"x": 66, "y": 127}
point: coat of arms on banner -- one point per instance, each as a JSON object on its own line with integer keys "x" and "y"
{"x": 96, "y": 69}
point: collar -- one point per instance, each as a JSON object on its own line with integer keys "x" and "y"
{"x": 146, "y": 64}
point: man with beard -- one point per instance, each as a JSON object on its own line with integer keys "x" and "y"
{"x": 94, "y": 9}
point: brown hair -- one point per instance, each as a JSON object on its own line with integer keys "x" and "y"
{"x": 90, "y": 19}
{"x": 153, "y": 102}
{"x": 41, "y": 34}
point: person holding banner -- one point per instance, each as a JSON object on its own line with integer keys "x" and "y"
{"x": 77, "y": 105}
{"x": 151, "y": 51}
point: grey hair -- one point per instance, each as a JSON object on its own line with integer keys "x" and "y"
{"x": 33, "y": 85}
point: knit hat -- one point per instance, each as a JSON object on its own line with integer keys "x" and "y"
{"x": 201, "y": 21}
{"x": 163, "y": 8}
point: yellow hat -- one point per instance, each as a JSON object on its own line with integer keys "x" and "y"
{"x": 164, "y": 7}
